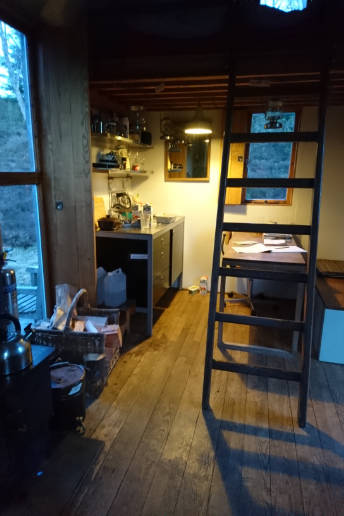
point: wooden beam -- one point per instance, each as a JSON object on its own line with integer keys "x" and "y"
{"x": 20, "y": 178}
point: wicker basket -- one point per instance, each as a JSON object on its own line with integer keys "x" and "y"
{"x": 73, "y": 345}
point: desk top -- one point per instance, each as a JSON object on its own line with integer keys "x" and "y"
{"x": 142, "y": 234}
{"x": 331, "y": 291}
{"x": 268, "y": 258}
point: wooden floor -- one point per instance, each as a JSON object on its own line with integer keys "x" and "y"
{"x": 149, "y": 449}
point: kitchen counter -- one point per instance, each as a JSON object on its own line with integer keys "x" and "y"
{"x": 154, "y": 231}
{"x": 152, "y": 260}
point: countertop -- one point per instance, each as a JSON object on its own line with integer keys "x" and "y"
{"x": 152, "y": 232}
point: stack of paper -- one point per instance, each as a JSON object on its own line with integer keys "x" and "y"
{"x": 276, "y": 238}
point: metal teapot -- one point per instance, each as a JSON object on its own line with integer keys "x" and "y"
{"x": 15, "y": 353}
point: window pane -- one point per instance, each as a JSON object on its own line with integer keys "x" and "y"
{"x": 285, "y": 5}
{"x": 16, "y": 143}
{"x": 197, "y": 154}
{"x": 19, "y": 229}
{"x": 269, "y": 159}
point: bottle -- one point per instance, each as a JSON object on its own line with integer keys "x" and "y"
{"x": 146, "y": 136}
{"x": 125, "y": 126}
{"x": 203, "y": 285}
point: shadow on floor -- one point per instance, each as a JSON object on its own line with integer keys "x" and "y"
{"x": 50, "y": 489}
{"x": 232, "y": 461}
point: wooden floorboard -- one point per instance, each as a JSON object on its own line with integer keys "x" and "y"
{"x": 149, "y": 449}
{"x": 286, "y": 494}
{"x": 315, "y": 489}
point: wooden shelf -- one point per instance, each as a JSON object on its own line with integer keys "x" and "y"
{"x": 108, "y": 141}
{"x": 113, "y": 173}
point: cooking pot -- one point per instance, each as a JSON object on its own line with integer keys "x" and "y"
{"x": 15, "y": 353}
{"x": 108, "y": 223}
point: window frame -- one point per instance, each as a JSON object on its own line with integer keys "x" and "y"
{"x": 292, "y": 164}
{"x": 34, "y": 178}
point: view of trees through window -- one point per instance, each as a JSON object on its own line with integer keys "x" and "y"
{"x": 269, "y": 159}
{"x": 18, "y": 203}
{"x": 286, "y": 5}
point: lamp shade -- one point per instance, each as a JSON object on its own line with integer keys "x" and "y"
{"x": 199, "y": 125}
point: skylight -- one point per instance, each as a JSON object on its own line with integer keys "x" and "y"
{"x": 285, "y": 5}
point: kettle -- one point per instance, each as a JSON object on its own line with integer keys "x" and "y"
{"x": 15, "y": 353}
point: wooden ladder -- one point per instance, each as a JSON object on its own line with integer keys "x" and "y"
{"x": 308, "y": 278}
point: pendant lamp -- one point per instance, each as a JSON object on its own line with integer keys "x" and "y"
{"x": 199, "y": 125}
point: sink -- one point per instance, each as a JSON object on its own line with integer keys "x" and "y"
{"x": 165, "y": 219}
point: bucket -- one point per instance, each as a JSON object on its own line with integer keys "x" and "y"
{"x": 95, "y": 365}
{"x": 68, "y": 395}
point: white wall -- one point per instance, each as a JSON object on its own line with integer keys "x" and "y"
{"x": 198, "y": 201}
{"x": 331, "y": 241}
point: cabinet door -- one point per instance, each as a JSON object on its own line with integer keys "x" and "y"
{"x": 161, "y": 252}
{"x": 161, "y": 266}
{"x": 177, "y": 252}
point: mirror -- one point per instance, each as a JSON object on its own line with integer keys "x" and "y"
{"x": 187, "y": 161}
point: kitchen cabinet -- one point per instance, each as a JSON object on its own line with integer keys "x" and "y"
{"x": 152, "y": 259}
{"x": 177, "y": 246}
{"x": 161, "y": 265}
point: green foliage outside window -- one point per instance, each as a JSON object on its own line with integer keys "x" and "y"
{"x": 267, "y": 160}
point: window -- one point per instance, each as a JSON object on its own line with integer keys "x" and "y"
{"x": 286, "y": 5}
{"x": 270, "y": 160}
{"x": 19, "y": 178}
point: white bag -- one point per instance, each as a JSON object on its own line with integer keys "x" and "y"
{"x": 115, "y": 288}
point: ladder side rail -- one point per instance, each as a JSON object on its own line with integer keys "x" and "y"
{"x": 307, "y": 344}
{"x": 217, "y": 242}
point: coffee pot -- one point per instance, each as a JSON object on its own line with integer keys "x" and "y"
{"x": 15, "y": 353}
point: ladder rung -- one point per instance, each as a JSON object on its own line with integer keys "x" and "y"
{"x": 268, "y": 372}
{"x": 294, "y": 229}
{"x": 297, "y": 277}
{"x": 311, "y": 136}
{"x": 249, "y": 182}
{"x": 251, "y": 348}
{"x": 252, "y": 320}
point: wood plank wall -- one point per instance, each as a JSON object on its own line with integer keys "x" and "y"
{"x": 65, "y": 156}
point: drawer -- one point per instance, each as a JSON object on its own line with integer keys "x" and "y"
{"x": 160, "y": 283}
{"x": 163, "y": 242}
{"x": 161, "y": 252}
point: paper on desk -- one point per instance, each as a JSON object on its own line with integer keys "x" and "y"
{"x": 255, "y": 248}
{"x": 275, "y": 241}
{"x": 288, "y": 249}
{"x": 244, "y": 242}
{"x": 262, "y": 248}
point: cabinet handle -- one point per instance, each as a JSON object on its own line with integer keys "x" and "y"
{"x": 138, "y": 256}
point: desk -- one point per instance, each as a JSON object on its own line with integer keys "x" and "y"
{"x": 286, "y": 262}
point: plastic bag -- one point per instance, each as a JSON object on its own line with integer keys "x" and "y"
{"x": 115, "y": 288}
{"x": 101, "y": 273}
